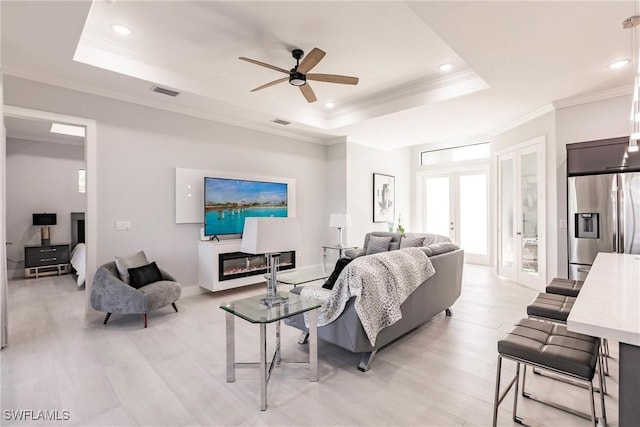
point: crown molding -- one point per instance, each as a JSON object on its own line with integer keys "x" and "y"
{"x": 593, "y": 97}
{"x": 571, "y": 101}
{"x": 395, "y": 93}
{"x": 522, "y": 120}
{"x": 94, "y": 90}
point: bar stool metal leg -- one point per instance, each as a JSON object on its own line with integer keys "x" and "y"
{"x": 602, "y": 387}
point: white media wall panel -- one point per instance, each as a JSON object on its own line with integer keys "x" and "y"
{"x": 190, "y": 192}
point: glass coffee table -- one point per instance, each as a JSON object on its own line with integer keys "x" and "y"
{"x": 254, "y": 310}
{"x": 302, "y": 275}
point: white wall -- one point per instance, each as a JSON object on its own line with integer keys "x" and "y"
{"x": 138, "y": 150}
{"x": 336, "y": 189}
{"x": 361, "y": 163}
{"x": 41, "y": 177}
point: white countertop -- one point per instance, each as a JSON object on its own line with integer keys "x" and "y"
{"x": 608, "y": 305}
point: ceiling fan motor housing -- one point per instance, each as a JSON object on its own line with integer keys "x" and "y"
{"x": 296, "y": 78}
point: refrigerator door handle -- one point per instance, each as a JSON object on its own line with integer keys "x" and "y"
{"x": 615, "y": 194}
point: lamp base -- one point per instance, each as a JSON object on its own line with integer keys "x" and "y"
{"x": 45, "y": 236}
{"x": 273, "y": 300}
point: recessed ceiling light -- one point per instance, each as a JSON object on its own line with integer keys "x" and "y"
{"x": 123, "y": 30}
{"x": 445, "y": 67}
{"x": 619, "y": 64}
{"x": 67, "y": 129}
{"x": 329, "y": 105}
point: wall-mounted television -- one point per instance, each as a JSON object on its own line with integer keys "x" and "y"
{"x": 227, "y": 202}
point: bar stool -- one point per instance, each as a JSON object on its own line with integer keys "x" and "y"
{"x": 552, "y": 348}
{"x": 566, "y": 287}
{"x": 571, "y": 288}
{"x": 556, "y": 309}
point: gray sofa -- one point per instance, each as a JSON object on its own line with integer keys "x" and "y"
{"x": 436, "y": 294}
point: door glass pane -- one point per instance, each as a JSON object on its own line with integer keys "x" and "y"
{"x": 507, "y": 234}
{"x": 529, "y": 224}
{"x": 473, "y": 213}
{"x": 437, "y": 209}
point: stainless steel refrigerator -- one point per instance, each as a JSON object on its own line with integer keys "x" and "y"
{"x": 603, "y": 216}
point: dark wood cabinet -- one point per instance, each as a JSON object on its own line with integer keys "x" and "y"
{"x": 45, "y": 260}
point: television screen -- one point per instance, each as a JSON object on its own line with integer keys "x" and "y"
{"x": 227, "y": 202}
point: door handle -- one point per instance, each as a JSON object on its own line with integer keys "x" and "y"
{"x": 519, "y": 233}
{"x": 8, "y": 243}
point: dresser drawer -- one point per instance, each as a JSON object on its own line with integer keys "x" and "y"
{"x": 37, "y": 256}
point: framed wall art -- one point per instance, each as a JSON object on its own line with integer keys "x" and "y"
{"x": 384, "y": 198}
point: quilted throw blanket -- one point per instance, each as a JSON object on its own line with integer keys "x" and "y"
{"x": 379, "y": 282}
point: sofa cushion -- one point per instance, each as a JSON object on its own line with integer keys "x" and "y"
{"x": 440, "y": 248}
{"x": 435, "y": 238}
{"x": 378, "y": 244}
{"x": 411, "y": 242}
{"x": 142, "y": 276}
{"x": 123, "y": 264}
{"x": 355, "y": 253}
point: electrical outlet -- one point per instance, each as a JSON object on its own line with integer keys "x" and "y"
{"x": 123, "y": 225}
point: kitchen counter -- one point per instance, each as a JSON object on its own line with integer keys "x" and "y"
{"x": 608, "y": 306}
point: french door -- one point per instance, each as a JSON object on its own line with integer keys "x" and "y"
{"x": 521, "y": 215}
{"x": 455, "y": 204}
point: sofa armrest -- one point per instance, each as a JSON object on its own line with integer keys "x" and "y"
{"x": 167, "y": 276}
{"x": 111, "y": 294}
{"x": 355, "y": 253}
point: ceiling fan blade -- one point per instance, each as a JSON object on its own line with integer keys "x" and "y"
{"x": 275, "y": 82}
{"x": 273, "y": 67}
{"x": 333, "y": 78}
{"x": 311, "y": 60}
{"x": 308, "y": 93}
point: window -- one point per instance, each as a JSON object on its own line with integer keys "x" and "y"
{"x": 82, "y": 181}
{"x": 455, "y": 154}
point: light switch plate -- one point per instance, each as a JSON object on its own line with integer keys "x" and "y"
{"x": 123, "y": 225}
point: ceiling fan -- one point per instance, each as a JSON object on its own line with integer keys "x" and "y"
{"x": 298, "y": 75}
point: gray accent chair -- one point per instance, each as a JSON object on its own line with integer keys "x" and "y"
{"x": 112, "y": 295}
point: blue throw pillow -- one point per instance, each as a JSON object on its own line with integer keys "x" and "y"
{"x": 141, "y": 276}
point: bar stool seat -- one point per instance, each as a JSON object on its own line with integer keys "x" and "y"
{"x": 550, "y": 347}
{"x": 566, "y": 287}
{"x": 551, "y": 306}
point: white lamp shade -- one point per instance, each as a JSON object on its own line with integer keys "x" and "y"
{"x": 270, "y": 235}
{"x": 340, "y": 220}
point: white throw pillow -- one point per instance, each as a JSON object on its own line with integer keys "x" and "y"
{"x": 123, "y": 264}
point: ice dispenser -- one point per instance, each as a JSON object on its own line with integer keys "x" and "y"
{"x": 587, "y": 225}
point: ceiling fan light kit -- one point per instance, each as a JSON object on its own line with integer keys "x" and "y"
{"x": 298, "y": 75}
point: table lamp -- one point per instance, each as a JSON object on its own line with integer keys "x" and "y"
{"x": 44, "y": 220}
{"x": 270, "y": 236}
{"x": 340, "y": 221}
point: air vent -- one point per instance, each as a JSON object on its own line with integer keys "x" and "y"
{"x": 164, "y": 91}
{"x": 281, "y": 122}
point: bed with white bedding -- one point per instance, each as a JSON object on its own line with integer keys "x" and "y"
{"x": 79, "y": 262}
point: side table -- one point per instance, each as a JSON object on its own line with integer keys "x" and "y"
{"x": 253, "y": 310}
{"x": 339, "y": 248}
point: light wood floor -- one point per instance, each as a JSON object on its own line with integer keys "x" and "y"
{"x": 173, "y": 373}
